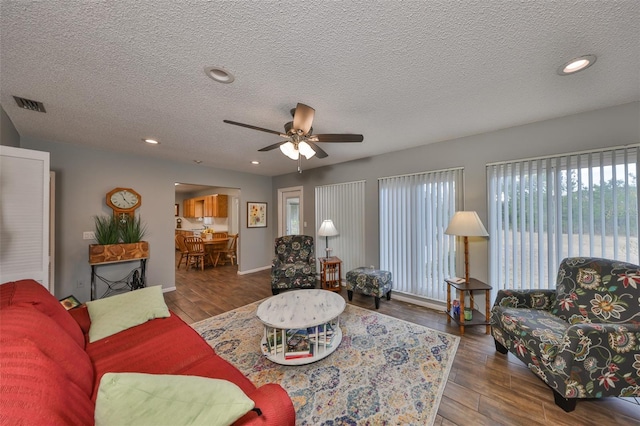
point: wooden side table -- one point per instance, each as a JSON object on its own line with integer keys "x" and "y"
{"x": 330, "y": 273}
{"x": 477, "y": 318}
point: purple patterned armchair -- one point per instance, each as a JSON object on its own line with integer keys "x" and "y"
{"x": 583, "y": 338}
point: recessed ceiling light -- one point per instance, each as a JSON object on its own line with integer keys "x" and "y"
{"x": 197, "y": 161}
{"x": 151, "y": 141}
{"x": 577, "y": 64}
{"x": 219, "y": 74}
{"x": 255, "y": 162}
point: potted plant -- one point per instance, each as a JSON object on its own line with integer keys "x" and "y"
{"x": 118, "y": 240}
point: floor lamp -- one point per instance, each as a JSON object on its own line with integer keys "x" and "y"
{"x": 327, "y": 229}
{"x": 466, "y": 224}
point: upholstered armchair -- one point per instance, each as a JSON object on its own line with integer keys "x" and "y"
{"x": 583, "y": 338}
{"x": 294, "y": 264}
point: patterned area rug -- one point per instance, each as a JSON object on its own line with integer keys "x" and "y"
{"x": 385, "y": 371}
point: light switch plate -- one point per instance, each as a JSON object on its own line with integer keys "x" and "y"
{"x": 88, "y": 235}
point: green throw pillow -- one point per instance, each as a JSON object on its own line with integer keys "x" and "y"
{"x": 116, "y": 313}
{"x": 157, "y": 399}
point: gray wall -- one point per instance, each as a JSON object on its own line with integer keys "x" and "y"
{"x": 8, "y": 134}
{"x": 613, "y": 126}
{"x": 84, "y": 176}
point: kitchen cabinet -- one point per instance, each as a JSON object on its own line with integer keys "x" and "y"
{"x": 207, "y": 206}
{"x": 189, "y": 208}
{"x": 215, "y": 205}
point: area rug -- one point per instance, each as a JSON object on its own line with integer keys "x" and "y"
{"x": 385, "y": 372}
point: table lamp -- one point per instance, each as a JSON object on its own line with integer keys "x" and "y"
{"x": 466, "y": 224}
{"x": 327, "y": 229}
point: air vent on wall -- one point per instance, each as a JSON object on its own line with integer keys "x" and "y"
{"x": 29, "y": 104}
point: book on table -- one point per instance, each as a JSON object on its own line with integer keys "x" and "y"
{"x": 297, "y": 344}
{"x": 323, "y": 334}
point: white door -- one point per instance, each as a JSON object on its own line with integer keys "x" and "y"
{"x": 290, "y": 215}
{"x": 24, "y": 215}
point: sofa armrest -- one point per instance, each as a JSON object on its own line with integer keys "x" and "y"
{"x": 597, "y": 359}
{"x": 275, "y": 406}
{"x": 533, "y": 299}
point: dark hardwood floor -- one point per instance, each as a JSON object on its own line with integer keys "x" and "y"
{"x": 484, "y": 387}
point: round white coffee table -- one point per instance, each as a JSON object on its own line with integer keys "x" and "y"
{"x": 315, "y": 312}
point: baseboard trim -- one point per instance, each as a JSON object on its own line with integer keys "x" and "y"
{"x": 251, "y": 271}
{"x": 416, "y": 301}
{"x": 167, "y": 290}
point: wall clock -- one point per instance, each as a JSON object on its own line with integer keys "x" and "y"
{"x": 124, "y": 202}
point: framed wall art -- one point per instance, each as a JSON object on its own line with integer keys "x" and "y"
{"x": 177, "y": 209}
{"x": 70, "y": 302}
{"x": 256, "y": 215}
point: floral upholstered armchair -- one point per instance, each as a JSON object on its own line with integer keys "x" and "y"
{"x": 583, "y": 338}
{"x": 294, "y": 265}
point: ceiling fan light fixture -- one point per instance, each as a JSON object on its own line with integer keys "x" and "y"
{"x": 219, "y": 74}
{"x": 290, "y": 150}
{"x": 306, "y": 150}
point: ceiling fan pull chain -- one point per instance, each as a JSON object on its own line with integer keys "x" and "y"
{"x": 299, "y": 163}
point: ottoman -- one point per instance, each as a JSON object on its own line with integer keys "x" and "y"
{"x": 369, "y": 281}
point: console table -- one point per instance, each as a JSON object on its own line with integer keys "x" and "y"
{"x": 134, "y": 280}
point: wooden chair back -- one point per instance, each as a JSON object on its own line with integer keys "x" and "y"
{"x": 195, "y": 248}
{"x": 184, "y": 252}
{"x": 231, "y": 251}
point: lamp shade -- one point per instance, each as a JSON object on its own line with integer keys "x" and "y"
{"x": 327, "y": 229}
{"x": 466, "y": 224}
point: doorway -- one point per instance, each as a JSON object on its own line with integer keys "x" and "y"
{"x": 194, "y": 225}
{"x": 290, "y": 211}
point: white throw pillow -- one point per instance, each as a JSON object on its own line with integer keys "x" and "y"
{"x": 156, "y": 399}
{"x": 116, "y": 313}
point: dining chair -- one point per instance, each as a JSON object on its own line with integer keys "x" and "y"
{"x": 184, "y": 251}
{"x": 230, "y": 252}
{"x": 197, "y": 253}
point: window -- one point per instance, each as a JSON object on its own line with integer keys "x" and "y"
{"x": 414, "y": 213}
{"x": 543, "y": 210}
{"x": 343, "y": 203}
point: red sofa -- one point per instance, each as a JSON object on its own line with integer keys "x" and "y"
{"x": 49, "y": 373}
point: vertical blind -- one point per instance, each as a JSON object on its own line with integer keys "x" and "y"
{"x": 343, "y": 203}
{"x": 545, "y": 209}
{"x": 414, "y": 213}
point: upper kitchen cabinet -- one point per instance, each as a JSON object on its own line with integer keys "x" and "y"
{"x": 215, "y": 205}
{"x": 207, "y": 206}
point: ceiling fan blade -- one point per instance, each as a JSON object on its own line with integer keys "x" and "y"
{"x": 337, "y": 138}
{"x": 249, "y": 126}
{"x": 303, "y": 118}
{"x": 320, "y": 153}
{"x": 274, "y": 146}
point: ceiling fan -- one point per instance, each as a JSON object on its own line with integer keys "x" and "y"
{"x": 299, "y": 137}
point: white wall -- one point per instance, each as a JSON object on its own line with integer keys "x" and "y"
{"x": 84, "y": 176}
{"x": 8, "y": 134}
{"x": 612, "y": 126}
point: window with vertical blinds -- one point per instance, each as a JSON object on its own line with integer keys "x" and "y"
{"x": 343, "y": 203}
{"x": 545, "y": 209}
{"x": 414, "y": 213}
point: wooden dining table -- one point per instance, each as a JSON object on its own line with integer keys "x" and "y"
{"x": 214, "y": 246}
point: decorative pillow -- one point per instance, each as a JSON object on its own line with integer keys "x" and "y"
{"x": 154, "y": 399}
{"x": 116, "y": 313}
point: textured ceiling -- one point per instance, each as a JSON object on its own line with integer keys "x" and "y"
{"x": 402, "y": 74}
